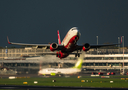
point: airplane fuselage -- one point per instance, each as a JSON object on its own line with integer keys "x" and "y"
{"x": 69, "y": 42}
{"x": 71, "y": 39}
{"x": 48, "y": 71}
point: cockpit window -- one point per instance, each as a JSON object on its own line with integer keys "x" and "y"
{"x": 74, "y": 28}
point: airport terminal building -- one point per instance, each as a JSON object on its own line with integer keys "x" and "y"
{"x": 31, "y": 60}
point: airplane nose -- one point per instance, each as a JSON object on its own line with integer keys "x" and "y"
{"x": 78, "y": 33}
{"x": 39, "y": 71}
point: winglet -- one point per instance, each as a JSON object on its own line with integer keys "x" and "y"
{"x": 8, "y": 40}
{"x": 59, "y": 41}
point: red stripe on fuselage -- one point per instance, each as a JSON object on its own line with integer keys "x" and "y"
{"x": 71, "y": 44}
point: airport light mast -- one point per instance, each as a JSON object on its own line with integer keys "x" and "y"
{"x": 97, "y": 43}
{"x": 118, "y": 45}
{"x": 123, "y": 54}
{"x": 6, "y": 51}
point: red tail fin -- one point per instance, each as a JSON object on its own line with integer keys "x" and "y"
{"x": 59, "y": 41}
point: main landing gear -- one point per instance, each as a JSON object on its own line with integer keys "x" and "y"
{"x": 58, "y": 55}
{"x": 77, "y": 55}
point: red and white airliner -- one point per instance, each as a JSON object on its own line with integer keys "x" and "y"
{"x": 68, "y": 45}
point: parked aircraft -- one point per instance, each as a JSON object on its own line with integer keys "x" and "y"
{"x": 68, "y": 45}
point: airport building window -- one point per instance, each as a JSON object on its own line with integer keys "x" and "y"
{"x": 6, "y": 64}
{"x": 22, "y": 64}
{"x": 119, "y": 58}
{"x": 84, "y": 64}
{"x": 87, "y": 64}
{"x": 104, "y": 64}
{"x": 125, "y": 64}
{"x": 18, "y": 64}
{"x": 125, "y": 57}
{"x": 113, "y": 64}
{"x": 100, "y": 64}
{"x": 27, "y": 64}
{"x": 91, "y": 64}
{"x": 96, "y": 64}
{"x": 115, "y": 58}
{"x": 116, "y": 64}
{"x": 109, "y": 64}
{"x": 31, "y": 64}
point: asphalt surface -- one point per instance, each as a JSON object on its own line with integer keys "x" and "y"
{"x": 55, "y": 88}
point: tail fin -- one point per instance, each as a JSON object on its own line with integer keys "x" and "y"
{"x": 80, "y": 61}
{"x": 59, "y": 41}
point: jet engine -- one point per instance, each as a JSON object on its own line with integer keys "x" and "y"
{"x": 86, "y": 47}
{"x": 53, "y": 46}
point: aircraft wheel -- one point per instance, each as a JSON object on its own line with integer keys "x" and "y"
{"x": 56, "y": 55}
{"x": 78, "y": 55}
{"x": 59, "y": 55}
{"x": 75, "y": 55}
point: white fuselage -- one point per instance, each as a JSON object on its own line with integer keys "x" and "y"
{"x": 72, "y": 34}
{"x": 59, "y": 71}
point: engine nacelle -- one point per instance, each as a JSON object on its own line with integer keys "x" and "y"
{"x": 86, "y": 47}
{"x": 53, "y": 46}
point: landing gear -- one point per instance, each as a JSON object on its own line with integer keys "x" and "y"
{"x": 77, "y": 55}
{"x": 61, "y": 54}
{"x": 58, "y": 55}
{"x": 59, "y": 74}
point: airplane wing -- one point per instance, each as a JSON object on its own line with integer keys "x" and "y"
{"x": 98, "y": 46}
{"x": 46, "y": 46}
{"x": 79, "y": 47}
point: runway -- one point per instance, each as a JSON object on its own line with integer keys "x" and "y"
{"x": 55, "y": 88}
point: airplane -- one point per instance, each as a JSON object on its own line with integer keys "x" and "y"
{"x": 63, "y": 71}
{"x": 67, "y": 46}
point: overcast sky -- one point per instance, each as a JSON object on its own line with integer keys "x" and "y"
{"x": 37, "y": 21}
